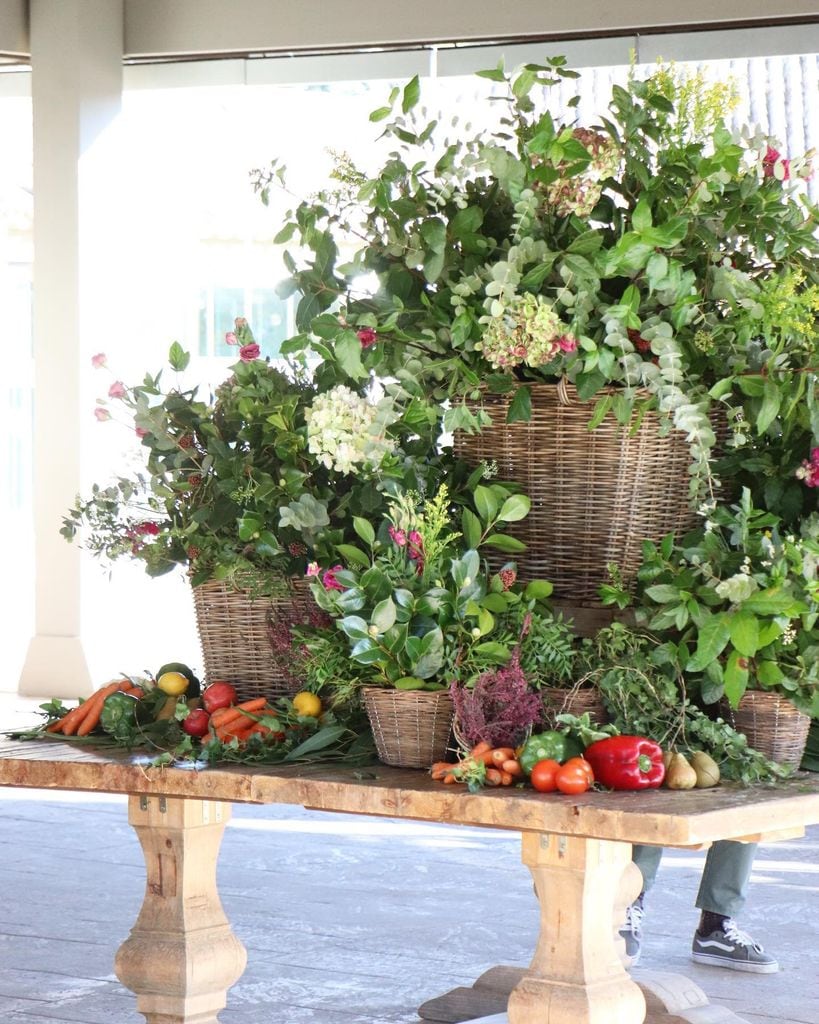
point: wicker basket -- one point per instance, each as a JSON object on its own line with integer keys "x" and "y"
{"x": 772, "y": 725}
{"x": 596, "y": 494}
{"x": 245, "y": 638}
{"x": 576, "y": 701}
{"x": 412, "y": 728}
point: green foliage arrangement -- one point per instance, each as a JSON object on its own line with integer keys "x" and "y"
{"x": 419, "y": 609}
{"x": 654, "y": 252}
{"x": 265, "y": 474}
{"x": 739, "y": 598}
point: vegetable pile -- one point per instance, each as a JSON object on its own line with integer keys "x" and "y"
{"x": 170, "y": 715}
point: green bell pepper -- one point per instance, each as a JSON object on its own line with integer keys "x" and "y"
{"x": 548, "y": 746}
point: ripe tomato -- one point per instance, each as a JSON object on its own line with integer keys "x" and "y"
{"x": 543, "y": 776}
{"x": 572, "y": 779}
{"x": 218, "y": 695}
{"x": 196, "y": 723}
{"x": 581, "y": 762}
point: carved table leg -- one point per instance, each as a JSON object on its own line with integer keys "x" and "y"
{"x": 181, "y": 956}
{"x": 576, "y": 975}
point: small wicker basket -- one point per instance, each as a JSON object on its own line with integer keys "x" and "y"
{"x": 575, "y": 701}
{"x": 245, "y": 636}
{"x": 596, "y": 494}
{"x": 772, "y": 725}
{"x": 411, "y": 728}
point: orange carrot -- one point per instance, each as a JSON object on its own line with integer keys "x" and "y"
{"x": 94, "y": 708}
{"x": 440, "y": 769}
{"x": 501, "y": 754}
{"x": 506, "y": 779}
{"x": 512, "y": 767}
{"x": 450, "y": 778}
{"x": 56, "y": 725}
{"x": 134, "y": 691}
{"x": 223, "y": 716}
{"x": 480, "y": 748}
{"x": 494, "y": 777}
{"x": 72, "y": 719}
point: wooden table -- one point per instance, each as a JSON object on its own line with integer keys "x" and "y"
{"x": 181, "y": 956}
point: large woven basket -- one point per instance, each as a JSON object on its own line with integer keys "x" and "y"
{"x": 245, "y": 637}
{"x": 772, "y": 725}
{"x": 411, "y": 728}
{"x": 596, "y": 494}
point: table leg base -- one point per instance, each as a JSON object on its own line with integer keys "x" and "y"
{"x": 670, "y": 999}
{"x": 675, "y": 999}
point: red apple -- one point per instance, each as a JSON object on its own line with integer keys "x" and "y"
{"x": 218, "y": 695}
{"x": 196, "y": 723}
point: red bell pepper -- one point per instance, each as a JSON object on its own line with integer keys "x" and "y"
{"x": 626, "y": 762}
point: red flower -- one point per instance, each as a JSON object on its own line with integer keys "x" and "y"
{"x": 148, "y": 527}
{"x": 638, "y": 341}
{"x": 367, "y": 336}
{"x": 398, "y": 536}
{"x": 769, "y": 161}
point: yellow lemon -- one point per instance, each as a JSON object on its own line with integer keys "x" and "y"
{"x": 172, "y": 683}
{"x": 306, "y": 703}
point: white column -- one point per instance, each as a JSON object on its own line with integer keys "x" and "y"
{"x": 76, "y": 51}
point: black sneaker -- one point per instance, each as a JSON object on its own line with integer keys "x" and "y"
{"x": 631, "y": 932}
{"x": 729, "y": 947}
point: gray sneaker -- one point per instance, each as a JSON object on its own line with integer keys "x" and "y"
{"x": 632, "y": 932}
{"x": 729, "y": 947}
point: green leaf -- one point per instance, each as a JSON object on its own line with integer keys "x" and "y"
{"x": 713, "y": 637}
{"x": 486, "y": 503}
{"x": 769, "y": 673}
{"x": 384, "y": 615}
{"x": 351, "y": 553}
{"x": 641, "y": 217}
{"x": 364, "y": 529}
{"x": 471, "y": 528}
{"x": 354, "y": 626}
{"x": 515, "y": 508}
{"x": 409, "y": 683}
{"x": 178, "y": 357}
{"x": 503, "y": 542}
{"x": 492, "y": 651}
{"x": 325, "y": 737}
{"x": 744, "y": 627}
{"x": 380, "y": 113}
{"x": 433, "y": 232}
{"x": 735, "y": 677}
{"x": 768, "y": 411}
{"x": 538, "y": 590}
{"x": 520, "y": 408}
{"x": 773, "y": 601}
{"x": 662, "y": 593}
{"x": 348, "y": 353}
{"x": 412, "y": 93}
{"x": 432, "y": 654}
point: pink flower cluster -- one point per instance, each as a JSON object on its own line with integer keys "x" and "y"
{"x": 367, "y": 336}
{"x": 242, "y": 336}
{"x": 809, "y": 470}
{"x": 414, "y": 543}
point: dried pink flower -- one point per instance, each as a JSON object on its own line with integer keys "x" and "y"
{"x": 99, "y": 360}
{"x": 102, "y": 414}
{"x": 117, "y": 390}
{"x": 499, "y": 709}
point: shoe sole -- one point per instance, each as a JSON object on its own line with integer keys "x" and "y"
{"x": 734, "y": 965}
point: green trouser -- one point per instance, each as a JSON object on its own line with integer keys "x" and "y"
{"x": 725, "y": 877}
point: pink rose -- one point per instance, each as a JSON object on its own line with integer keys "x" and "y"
{"x": 230, "y": 338}
{"x": 416, "y": 544}
{"x": 247, "y": 353}
{"x": 367, "y": 336}
{"x": 99, "y": 360}
{"x": 313, "y": 569}
{"x": 117, "y": 390}
{"x": 329, "y": 578}
{"x": 102, "y": 414}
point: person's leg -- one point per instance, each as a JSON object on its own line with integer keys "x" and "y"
{"x": 722, "y": 894}
{"x": 647, "y": 859}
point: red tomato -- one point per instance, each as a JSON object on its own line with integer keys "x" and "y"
{"x": 543, "y": 776}
{"x": 572, "y": 779}
{"x": 196, "y": 723}
{"x": 218, "y": 695}
{"x": 581, "y": 762}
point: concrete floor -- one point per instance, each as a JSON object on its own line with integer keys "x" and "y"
{"x": 347, "y": 920}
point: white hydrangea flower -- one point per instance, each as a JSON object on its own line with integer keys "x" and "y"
{"x": 346, "y": 432}
{"x": 737, "y": 588}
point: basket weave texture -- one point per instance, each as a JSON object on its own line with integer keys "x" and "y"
{"x": 772, "y": 725}
{"x": 596, "y": 494}
{"x": 245, "y": 637}
{"x": 411, "y": 728}
{"x": 576, "y": 701}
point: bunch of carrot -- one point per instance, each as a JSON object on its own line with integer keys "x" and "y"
{"x": 241, "y": 721}
{"x": 84, "y": 718}
{"x": 484, "y": 764}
